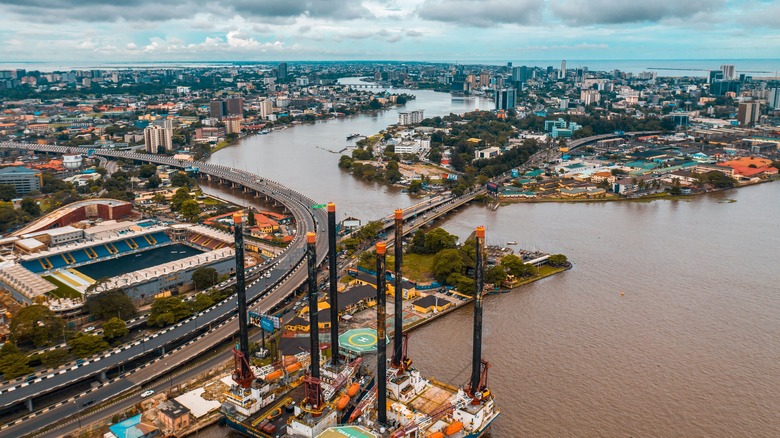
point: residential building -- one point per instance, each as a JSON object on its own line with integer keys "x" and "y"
{"x": 157, "y": 136}
{"x": 174, "y": 416}
{"x": 729, "y": 72}
{"x": 233, "y": 124}
{"x": 265, "y": 108}
{"x": 590, "y": 96}
{"x": 773, "y": 100}
{"x": 506, "y": 99}
{"x": 234, "y": 106}
{"x": 748, "y": 113}
{"x": 217, "y": 109}
{"x": 410, "y": 118}
{"x": 23, "y": 179}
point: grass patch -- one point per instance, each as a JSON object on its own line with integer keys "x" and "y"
{"x": 418, "y": 267}
{"x": 63, "y": 290}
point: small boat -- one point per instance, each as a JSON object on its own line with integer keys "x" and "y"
{"x": 355, "y": 135}
{"x": 512, "y": 242}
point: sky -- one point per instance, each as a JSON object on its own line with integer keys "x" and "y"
{"x": 404, "y": 30}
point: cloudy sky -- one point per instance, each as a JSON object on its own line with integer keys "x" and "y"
{"x": 426, "y": 30}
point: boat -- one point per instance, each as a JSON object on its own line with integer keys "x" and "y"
{"x": 512, "y": 242}
{"x": 264, "y": 132}
{"x": 354, "y": 135}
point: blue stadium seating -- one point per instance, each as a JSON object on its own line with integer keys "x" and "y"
{"x": 161, "y": 237}
{"x": 80, "y": 256}
{"x": 141, "y": 242}
{"x": 101, "y": 251}
{"x": 122, "y": 246}
{"x": 33, "y": 265}
{"x": 57, "y": 262}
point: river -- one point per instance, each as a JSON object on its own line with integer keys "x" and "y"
{"x": 690, "y": 348}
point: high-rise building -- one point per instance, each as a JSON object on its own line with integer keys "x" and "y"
{"x": 217, "y": 108}
{"x": 506, "y": 98}
{"x": 562, "y": 71}
{"x": 234, "y": 106}
{"x": 23, "y": 179}
{"x": 729, "y": 72}
{"x": 773, "y": 101}
{"x": 410, "y": 118}
{"x": 720, "y": 88}
{"x": 748, "y": 113}
{"x": 281, "y": 71}
{"x": 156, "y": 136}
{"x": 233, "y": 124}
{"x": 715, "y": 75}
{"x": 265, "y": 107}
{"x": 590, "y": 96}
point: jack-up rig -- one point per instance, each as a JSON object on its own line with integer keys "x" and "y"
{"x": 306, "y": 396}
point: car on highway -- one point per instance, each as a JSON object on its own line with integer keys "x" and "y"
{"x": 147, "y": 393}
{"x": 89, "y": 402}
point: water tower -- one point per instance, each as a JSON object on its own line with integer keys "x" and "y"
{"x": 71, "y": 162}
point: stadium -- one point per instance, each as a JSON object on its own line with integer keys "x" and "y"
{"x": 144, "y": 258}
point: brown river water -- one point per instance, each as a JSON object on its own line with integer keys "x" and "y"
{"x": 691, "y": 348}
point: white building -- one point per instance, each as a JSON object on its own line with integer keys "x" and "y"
{"x": 487, "y": 153}
{"x": 156, "y": 136}
{"x": 410, "y": 118}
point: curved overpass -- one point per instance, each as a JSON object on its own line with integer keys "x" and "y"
{"x": 286, "y": 276}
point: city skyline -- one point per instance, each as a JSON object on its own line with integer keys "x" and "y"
{"x": 425, "y": 30}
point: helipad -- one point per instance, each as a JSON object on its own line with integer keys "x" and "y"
{"x": 359, "y": 340}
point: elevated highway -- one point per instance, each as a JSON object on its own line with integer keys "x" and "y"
{"x": 286, "y": 276}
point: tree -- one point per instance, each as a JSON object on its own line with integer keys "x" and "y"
{"x": 84, "y": 345}
{"x": 374, "y": 104}
{"x": 31, "y": 207}
{"x": 7, "y": 192}
{"x": 514, "y": 265}
{"x": 462, "y": 283}
{"x": 179, "y": 179}
{"x": 251, "y": 220}
{"x": 114, "y": 328}
{"x": 495, "y": 275}
{"x": 557, "y": 260}
{"x": 36, "y": 325}
{"x": 153, "y": 182}
{"x": 111, "y": 303}
{"x": 11, "y": 219}
{"x": 182, "y": 194}
{"x": 204, "y": 278}
{"x": 12, "y": 362}
{"x": 54, "y": 358}
{"x": 190, "y": 209}
{"x": 147, "y": 170}
{"x": 439, "y": 239}
{"x": 446, "y": 262}
{"x": 167, "y": 310}
{"x": 415, "y": 186}
{"x": 418, "y": 242}
{"x": 202, "y": 302}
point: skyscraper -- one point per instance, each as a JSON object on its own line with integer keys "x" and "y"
{"x": 562, "y": 71}
{"x": 217, "y": 108}
{"x": 506, "y": 98}
{"x": 729, "y": 72}
{"x": 748, "y": 113}
{"x": 281, "y": 71}
{"x": 774, "y": 98}
{"x": 234, "y": 106}
{"x": 156, "y": 136}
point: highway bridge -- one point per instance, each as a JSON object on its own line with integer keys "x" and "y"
{"x": 201, "y": 333}
{"x": 286, "y": 276}
{"x": 594, "y": 138}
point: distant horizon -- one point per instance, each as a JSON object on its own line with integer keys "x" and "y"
{"x": 448, "y": 31}
{"x": 664, "y": 67}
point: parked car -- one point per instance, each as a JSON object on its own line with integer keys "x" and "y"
{"x": 89, "y": 329}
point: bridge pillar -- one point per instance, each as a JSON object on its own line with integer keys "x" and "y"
{"x": 29, "y": 404}
{"x": 103, "y": 377}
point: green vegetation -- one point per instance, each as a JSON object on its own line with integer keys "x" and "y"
{"x": 204, "y": 278}
{"x": 719, "y": 180}
{"x": 63, "y": 290}
{"x": 36, "y": 326}
{"x": 418, "y": 267}
{"x": 111, "y": 303}
{"x": 84, "y": 345}
{"x": 13, "y": 363}
{"x": 167, "y": 311}
{"x": 114, "y": 329}
{"x": 54, "y": 358}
